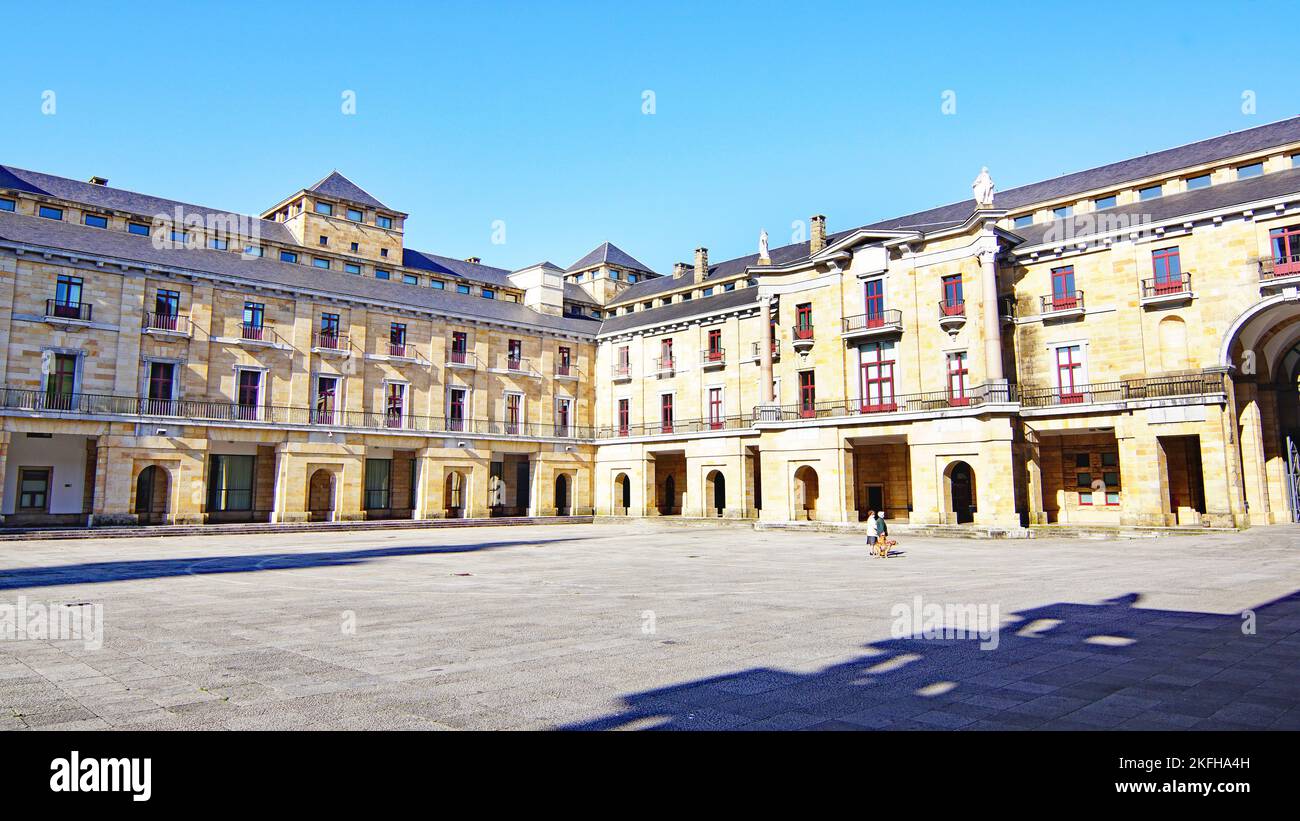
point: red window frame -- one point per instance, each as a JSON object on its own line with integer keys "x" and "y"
{"x": 514, "y": 353}
{"x": 1069, "y": 387}
{"x": 958, "y": 373}
{"x": 624, "y": 416}
{"x": 803, "y": 324}
{"x": 397, "y": 338}
{"x": 327, "y": 388}
{"x": 1064, "y": 295}
{"x": 666, "y": 413}
{"x": 162, "y": 380}
{"x": 954, "y": 299}
{"x": 1286, "y": 250}
{"x": 666, "y": 353}
{"x": 807, "y": 394}
{"x": 513, "y": 407}
{"x": 874, "y": 302}
{"x": 566, "y": 361}
{"x": 456, "y": 409}
{"x": 877, "y": 380}
{"x": 395, "y": 404}
{"x": 459, "y": 347}
{"x": 1167, "y": 269}
{"x": 248, "y": 391}
{"x": 715, "y": 344}
{"x": 715, "y": 409}
{"x": 562, "y": 416}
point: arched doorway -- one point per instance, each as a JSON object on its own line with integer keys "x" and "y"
{"x": 152, "y": 489}
{"x": 805, "y": 494}
{"x": 715, "y": 491}
{"x": 622, "y": 495}
{"x": 320, "y": 496}
{"x": 668, "y": 499}
{"x": 562, "y": 495}
{"x": 453, "y": 496}
{"x": 959, "y": 492}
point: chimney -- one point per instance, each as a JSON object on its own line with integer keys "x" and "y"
{"x": 701, "y": 264}
{"x": 473, "y": 260}
{"x": 99, "y": 180}
{"x": 680, "y": 269}
{"x": 817, "y": 241}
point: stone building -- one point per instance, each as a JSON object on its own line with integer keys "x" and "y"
{"x": 1114, "y": 346}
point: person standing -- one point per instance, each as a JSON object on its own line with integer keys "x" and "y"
{"x": 871, "y": 530}
{"x": 882, "y": 534}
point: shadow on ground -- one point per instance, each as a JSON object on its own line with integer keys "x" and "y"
{"x": 98, "y": 572}
{"x": 1111, "y": 665}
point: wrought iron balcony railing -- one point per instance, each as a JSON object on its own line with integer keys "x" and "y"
{"x": 63, "y": 309}
{"x": 674, "y": 428}
{"x": 1154, "y": 387}
{"x": 713, "y": 357}
{"x": 883, "y": 403}
{"x": 1065, "y": 301}
{"x": 874, "y": 320}
{"x": 1169, "y": 286}
{"x": 329, "y": 341}
{"x": 1276, "y": 267}
{"x": 170, "y": 323}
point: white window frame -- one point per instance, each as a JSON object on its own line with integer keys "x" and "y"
{"x": 406, "y": 399}
{"x": 563, "y": 400}
{"x": 857, "y": 380}
{"x": 523, "y": 407}
{"x": 262, "y": 392}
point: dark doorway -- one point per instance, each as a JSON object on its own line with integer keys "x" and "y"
{"x": 562, "y": 495}
{"x": 962, "y": 492}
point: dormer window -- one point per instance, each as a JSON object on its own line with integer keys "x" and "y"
{"x": 1245, "y": 172}
{"x": 355, "y": 215}
{"x": 95, "y": 221}
{"x": 138, "y": 228}
{"x": 410, "y": 279}
{"x": 1063, "y": 211}
{"x": 1151, "y": 192}
{"x": 1102, "y": 203}
{"x": 7, "y": 204}
{"x": 488, "y": 293}
{"x": 218, "y": 244}
{"x": 351, "y": 268}
{"x": 384, "y": 222}
{"x": 1201, "y": 181}
{"x": 325, "y": 208}
{"x": 320, "y": 262}
{"x": 1023, "y": 221}
{"x": 380, "y": 273}
{"x": 50, "y": 213}
{"x": 288, "y": 256}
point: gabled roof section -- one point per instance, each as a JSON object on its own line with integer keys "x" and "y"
{"x": 340, "y": 187}
{"x": 611, "y": 254}
{"x": 457, "y": 268}
{"x": 104, "y": 198}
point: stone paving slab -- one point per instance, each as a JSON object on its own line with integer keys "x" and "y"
{"x": 644, "y": 627}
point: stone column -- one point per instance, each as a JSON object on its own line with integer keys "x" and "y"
{"x": 992, "y": 323}
{"x": 4, "y": 459}
{"x": 1252, "y": 454}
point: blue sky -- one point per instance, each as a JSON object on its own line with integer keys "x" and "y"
{"x": 531, "y": 113}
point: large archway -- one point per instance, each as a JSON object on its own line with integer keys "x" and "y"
{"x": 320, "y": 496}
{"x": 453, "y": 495}
{"x": 805, "y": 494}
{"x": 715, "y": 493}
{"x": 563, "y": 504}
{"x": 152, "y": 492}
{"x": 959, "y": 497}
{"x": 622, "y": 495}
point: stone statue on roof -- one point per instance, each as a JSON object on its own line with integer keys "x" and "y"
{"x": 983, "y": 188}
{"x": 762, "y": 244}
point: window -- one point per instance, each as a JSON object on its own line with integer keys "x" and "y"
{"x": 324, "y": 240}
{"x": 1069, "y": 373}
{"x": 166, "y": 310}
{"x": 807, "y": 395}
{"x": 488, "y": 293}
{"x": 624, "y": 416}
{"x": 67, "y": 297}
{"x": 33, "y": 489}
{"x": 218, "y": 244}
{"x": 622, "y": 364}
{"x": 958, "y": 372}
{"x": 1245, "y": 172}
{"x": 1063, "y": 211}
{"x": 325, "y": 208}
{"x": 803, "y": 325}
{"x": 95, "y": 221}
{"x": 230, "y": 482}
{"x": 354, "y": 247}
{"x": 459, "y": 347}
{"x": 378, "y": 475}
{"x": 351, "y": 268}
{"x": 514, "y": 354}
{"x": 874, "y": 290}
{"x": 254, "y": 314}
{"x": 614, "y": 273}
{"x": 288, "y": 256}
{"x": 355, "y": 215}
{"x": 7, "y": 204}
{"x": 248, "y": 393}
{"x": 395, "y": 405}
{"x": 877, "y": 377}
{"x": 1064, "y": 296}
{"x": 514, "y": 412}
{"x": 60, "y": 383}
{"x": 397, "y": 338}
{"x": 1151, "y": 192}
{"x": 138, "y": 228}
{"x": 1200, "y": 181}
{"x": 645, "y": 306}
{"x": 1295, "y": 163}
{"x": 715, "y": 409}
{"x": 1286, "y": 250}
{"x": 1168, "y": 270}
{"x": 714, "y": 352}
{"x": 410, "y": 279}
{"x": 383, "y": 252}
{"x": 456, "y": 409}
{"x": 161, "y": 387}
{"x": 437, "y": 284}
{"x": 320, "y": 262}
{"x": 329, "y": 325}
{"x": 1102, "y": 203}
{"x": 954, "y": 303}
{"x": 384, "y": 222}
{"x": 707, "y": 291}
{"x": 632, "y": 278}
{"x": 1023, "y": 221}
{"x": 462, "y": 289}
{"x": 730, "y": 286}
{"x": 180, "y": 237}
{"x": 326, "y": 399}
{"x": 666, "y": 413}
{"x": 380, "y": 273}
{"x": 50, "y": 213}
{"x": 562, "y": 407}
{"x": 565, "y": 366}
{"x": 665, "y": 354}
{"x": 253, "y": 250}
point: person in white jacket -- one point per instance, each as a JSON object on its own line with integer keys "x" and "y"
{"x": 872, "y": 531}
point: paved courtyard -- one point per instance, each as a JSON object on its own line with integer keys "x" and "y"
{"x": 636, "y": 626}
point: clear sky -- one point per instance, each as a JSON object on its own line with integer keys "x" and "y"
{"x": 533, "y": 113}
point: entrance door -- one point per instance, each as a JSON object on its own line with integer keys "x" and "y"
{"x": 561, "y": 495}
{"x": 875, "y": 496}
{"x": 962, "y": 497}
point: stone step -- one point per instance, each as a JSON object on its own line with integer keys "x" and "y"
{"x": 28, "y": 534}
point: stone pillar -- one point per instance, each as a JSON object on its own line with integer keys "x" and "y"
{"x": 4, "y": 459}
{"x": 648, "y": 492}
{"x": 992, "y": 323}
{"x": 279, "y": 492}
{"x": 1034, "y": 479}
{"x": 765, "y": 350}
{"x": 425, "y": 502}
{"x": 1252, "y": 453}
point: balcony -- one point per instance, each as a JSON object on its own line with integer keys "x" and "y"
{"x": 622, "y": 372}
{"x": 1007, "y": 310}
{"x": 952, "y": 315}
{"x": 257, "y": 335}
{"x": 801, "y": 338}
{"x": 461, "y": 359}
{"x": 677, "y": 427}
{"x": 876, "y": 323}
{"x": 665, "y": 366}
{"x": 1066, "y": 305}
{"x": 566, "y": 370}
{"x": 1167, "y": 291}
{"x": 61, "y": 311}
{"x": 166, "y": 325}
{"x": 885, "y": 404}
{"x": 400, "y": 350}
{"x": 756, "y": 351}
{"x": 1279, "y": 272}
{"x": 713, "y": 358}
{"x": 28, "y": 401}
{"x": 515, "y": 366}
{"x": 1126, "y": 390}
{"x": 330, "y": 343}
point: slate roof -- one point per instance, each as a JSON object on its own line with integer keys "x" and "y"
{"x": 52, "y": 234}
{"x": 116, "y": 199}
{"x": 609, "y": 253}
{"x": 679, "y": 310}
{"x": 1225, "y": 195}
{"x": 456, "y": 268}
{"x": 574, "y": 292}
{"x": 338, "y": 186}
